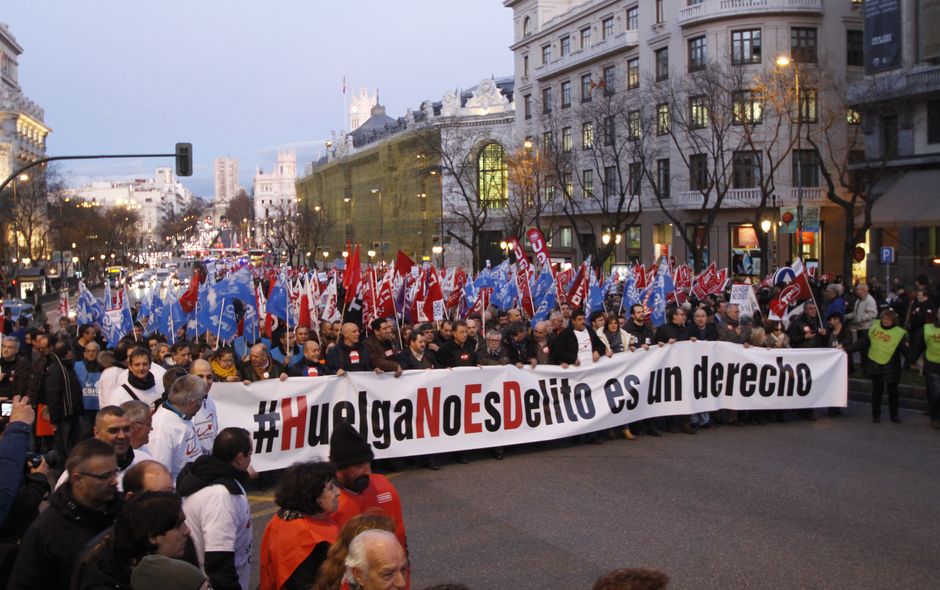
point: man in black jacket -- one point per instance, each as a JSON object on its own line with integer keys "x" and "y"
{"x": 63, "y": 394}
{"x": 86, "y": 505}
{"x": 416, "y": 355}
{"x": 458, "y": 351}
{"x": 349, "y": 355}
{"x": 310, "y": 365}
{"x": 637, "y": 327}
{"x": 217, "y": 509}
{"x": 14, "y": 370}
{"x": 576, "y": 343}
{"x": 520, "y": 347}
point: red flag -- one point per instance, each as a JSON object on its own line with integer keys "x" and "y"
{"x": 482, "y": 302}
{"x": 352, "y": 275}
{"x": 564, "y": 279}
{"x": 189, "y": 298}
{"x": 525, "y": 292}
{"x": 460, "y": 280}
{"x": 710, "y": 281}
{"x": 579, "y": 287}
{"x": 433, "y": 297}
{"x": 639, "y": 276}
{"x": 64, "y": 304}
{"x": 304, "y": 319}
{"x": 384, "y": 302}
{"x": 403, "y": 264}
{"x": 794, "y": 292}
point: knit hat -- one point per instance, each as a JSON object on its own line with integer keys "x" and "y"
{"x": 157, "y": 572}
{"x": 347, "y": 447}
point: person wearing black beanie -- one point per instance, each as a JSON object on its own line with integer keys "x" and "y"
{"x": 360, "y": 489}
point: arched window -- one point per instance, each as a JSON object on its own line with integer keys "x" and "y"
{"x": 493, "y": 176}
{"x": 526, "y": 27}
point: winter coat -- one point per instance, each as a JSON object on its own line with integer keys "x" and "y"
{"x": 274, "y": 371}
{"x": 56, "y": 538}
{"x": 565, "y": 346}
{"x": 15, "y": 377}
{"x": 348, "y": 358}
{"x": 382, "y": 354}
{"x": 800, "y": 337}
{"x": 301, "y": 368}
{"x": 670, "y": 331}
{"x": 454, "y": 355}
{"x": 62, "y": 389}
{"x": 407, "y": 361}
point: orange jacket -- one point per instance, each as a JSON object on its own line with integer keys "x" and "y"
{"x": 381, "y": 495}
{"x": 287, "y": 543}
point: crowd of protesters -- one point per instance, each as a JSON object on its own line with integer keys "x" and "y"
{"x": 147, "y": 487}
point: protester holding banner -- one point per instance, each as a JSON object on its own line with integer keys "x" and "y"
{"x": 887, "y": 344}
{"x": 310, "y": 365}
{"x": 458, "y": 351}
{"x": 380, "y": 347}
{"x": 223, "y": 365}
{"x": 576, "y": 344}
{"x": 349, "y": 355}
{"x": 806, "y": 329}
{"x": 261, "y": 366}
{"x": 415, "y": 356}
{"x": 298, "y": 537}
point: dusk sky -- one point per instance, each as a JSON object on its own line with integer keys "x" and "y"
{"x": 237, "y": 77}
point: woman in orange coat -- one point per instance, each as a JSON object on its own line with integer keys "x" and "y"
{"x": 297, "y": 539}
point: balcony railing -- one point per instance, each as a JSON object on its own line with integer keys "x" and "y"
{"x": 621, "y": 40}
{"x": 740, "y": 198}
{"x": 715, "y": 9}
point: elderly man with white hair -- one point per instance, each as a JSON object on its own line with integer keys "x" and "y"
{"x": 376, "y": 561}
{"x": 173, "y": 441}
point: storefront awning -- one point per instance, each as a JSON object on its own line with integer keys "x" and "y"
{"x": 911, "y": 199}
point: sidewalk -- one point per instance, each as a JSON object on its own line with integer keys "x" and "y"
{"x": 913, "y": 397}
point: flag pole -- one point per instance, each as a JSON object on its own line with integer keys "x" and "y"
{"x": 219, "y": 334}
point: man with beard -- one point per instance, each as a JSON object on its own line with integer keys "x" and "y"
{"x": 87, "y": 504}
{"x": 217, "y": 509}
{"x": 360, "y": 489}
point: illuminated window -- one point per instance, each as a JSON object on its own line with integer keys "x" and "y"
{"x": 493, "y": 176}
{"x": 587, "y": 135}
{"x": 662, "y": 119}
{"x": 698, "y": 112}
{"x": 747, "y": 107}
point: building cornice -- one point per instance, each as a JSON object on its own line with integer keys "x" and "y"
{"x": 563, "y": 21}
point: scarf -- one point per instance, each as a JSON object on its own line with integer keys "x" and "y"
{"x": 223, "y": 372}
{"x": 141, "y": 384}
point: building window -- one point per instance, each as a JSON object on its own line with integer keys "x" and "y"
{"x": 698, "y": 172}
{"x": 549, "y": 188}
{"x": 546, "y": 100}
{"x": 853, "y": 117}
{"x": 610, "y": 181}
{"x": 565, "y": 46}
{"x": 803, "y": 44}
{"x": 585, "y": 37}
{"x": 493, "y": 176}
{"x": 526, "y": 27}
{"x": 586, "y": 87}
{"x": 933, "y": 121}
{"x": 662, "y": 119}
{"x": 633, "y": 124}
{"x": 746, "y": 107}
{"x": 662, "y": 177}
{"x": 546, "y": 54}
{"x": 805, "y": 168}
{"x": 610, "y": 131}
{"x": 697, "y": 54}
{"x": 745, "y": 47}
{"x": 662, "y": 64}
{"x": 808, "y": 111}
{"x": 854, "y": 42}
{"x": 610, "y": 81}
{"x": 636, "y": 178}
{"x": 633, "y": 18}
{"x": 569, "y": 184}
{"x": 587, "y": 135}
{"x": 548, "y": 142}
{"x": 527, "y": 106}
{"x": 660, "y": 12}
{"x": 698, "y": 111}
{"x": 587, "y": 183}
{"x": 607, "y": 27}
{"x": 566, "y": 143}
{"x": 889, "y": 136}
{"x": 565, "y": 94}
{"x": 525, "y": 65}
{"x": 564, "y": 237}
{"x": 747, "y": 169}
{"x": 633, "y": 73}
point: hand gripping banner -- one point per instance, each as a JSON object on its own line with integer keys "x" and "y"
{"x": 445, "y": 410}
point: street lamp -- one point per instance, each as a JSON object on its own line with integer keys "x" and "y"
{"x": 376, "y": 191}
{"x": 326, "y": 254}
{"x": 371, "y": 254}
{"x": 784, "y": 61}
{"x": 527, "y": 144}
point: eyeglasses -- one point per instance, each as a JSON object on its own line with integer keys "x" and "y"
{"x": 101, "y": 476}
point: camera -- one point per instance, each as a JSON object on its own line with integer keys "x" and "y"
{"x": 34, "y": 460}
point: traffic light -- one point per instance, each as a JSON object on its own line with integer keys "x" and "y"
{"x": 184, "y": 159}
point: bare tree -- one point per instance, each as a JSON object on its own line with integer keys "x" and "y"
{"x": 469, "y": 199}
{"x": 239, "y": 208}
{"x": 183, "y": 225}
{"x": 584, "y": 148}
{"x": 31, "y": 213}
{"x": 284, "y": 230}
{"x": 530, "y": 195}
{"x": 314, "y": 227}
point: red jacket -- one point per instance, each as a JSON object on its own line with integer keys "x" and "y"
{"x": 380, "y": 494}
{"x": 287, "y": 543}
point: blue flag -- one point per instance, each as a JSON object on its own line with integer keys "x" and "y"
{"x": 279, "y": 300}
{"x": 545, "y": 304}
{"x": 595, "y": 298}
{"x": 238, "y": 284}
{"x": 88, "y": 309}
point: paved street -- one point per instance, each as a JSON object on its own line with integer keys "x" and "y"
{"x": 834, "y": 504}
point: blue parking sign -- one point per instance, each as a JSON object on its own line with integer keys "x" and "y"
{"x": 887, "y": 255}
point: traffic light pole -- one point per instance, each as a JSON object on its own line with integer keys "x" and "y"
{"x": 183, "y": 155}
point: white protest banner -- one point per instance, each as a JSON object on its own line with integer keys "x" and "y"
{"x": 743, "y": 296}
{"x": 445, "y": 410}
